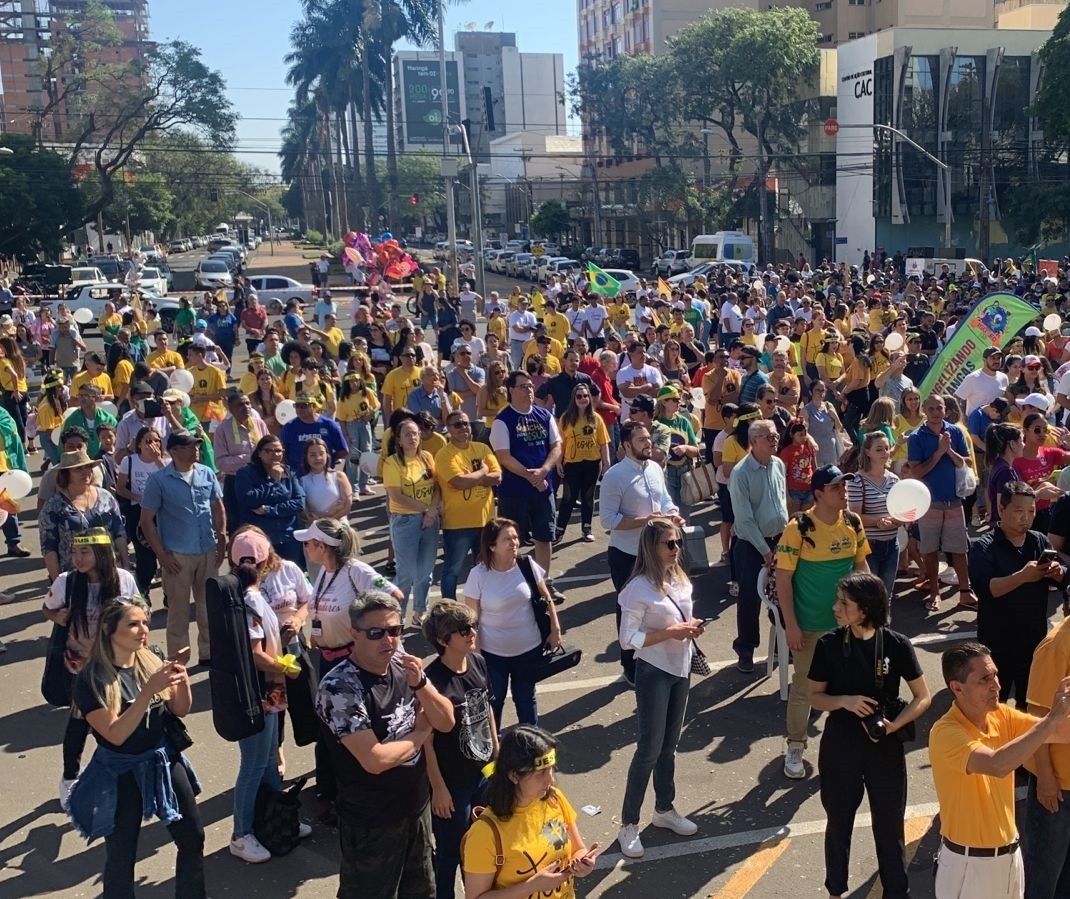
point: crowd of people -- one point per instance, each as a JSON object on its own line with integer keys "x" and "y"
{"x": 487, "y": 421}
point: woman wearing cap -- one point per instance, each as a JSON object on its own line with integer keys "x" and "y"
{"x": 76, "y": 506}
{"x": 1037, "y": 464}
{"x": 526, "y": 842}
{"x": 134, "y": 471}
{"x": 357, "y": 408}
{"x": 270, "y": 496}
{"x": 342, "y": 578}
{"x": 657, "y": 621}
{"x": 829, "y": 360}
{"x": 584, "y": 458}
{"x": 683, "y": 444}
{"x": 74, "y": 601}
{"x": 1035, "y": 376}
{"x": 50, "y": 409}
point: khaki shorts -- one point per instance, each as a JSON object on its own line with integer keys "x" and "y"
{"x": 943, "y": 529}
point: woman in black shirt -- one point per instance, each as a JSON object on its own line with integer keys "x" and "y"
{"x": 455, "y": 759}
{"x": 855, "y": 677}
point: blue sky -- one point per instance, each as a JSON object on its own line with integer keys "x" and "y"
{"x": 247, "y": 40}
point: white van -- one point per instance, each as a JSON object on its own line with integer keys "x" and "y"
{"x": 724, "y": 246}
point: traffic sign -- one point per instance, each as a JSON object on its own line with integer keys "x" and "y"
{"x": 832, "y": 127}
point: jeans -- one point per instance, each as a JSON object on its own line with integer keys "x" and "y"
{"x": 121, "y": 843}
{"x": 798, "y": 716}
{"x": 387, "y": 861}
{"x": 359, "y": 438}
{"x": 448, "y": 833}
{"x": 12, "y": 531}
{"x": 1046, "y": 848}
{"x": 620, "y": 569}
{"x": 674, "y": 483}
{"x": 48, "y": 447}
{"x": 414, "y": 552}
{"x": 747, "y": 563}
{"x": 457, "y": 543}
{"x": 515, "y": 670}
{"x": 727, "y": 337}
{"x": 516, "y": 354}
{"x": 580, "y": 480}
{"x": 884, "y": 562}
{"x": 661, "y": 700}
{"x": 259, "y": 764}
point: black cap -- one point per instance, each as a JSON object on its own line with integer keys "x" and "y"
{"x": 752, "y": 351}
{"x": 642, "y": 404}
{"x": 181, "y": 437}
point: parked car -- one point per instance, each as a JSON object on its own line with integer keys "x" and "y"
{"x": 542, "y": 266}
{"x": 441, "y": 250}
{"x": 153, "y": 279}
{"x": 83, "y": 275}
{"x": 671, "y": 262}
{"x": 231, "y": 254}
{"x": 627, "y": 278}
{"x": 514, "y": 267}
{"x": 707, "y": 270}
{"x": 218, "y": 242}
{"x": 565, "y": 268}
{"x": 212, "y": 273}
{"x": 274, "y": 290}
{"x": 94, "y": 296}
{"x": 499, "y": 262}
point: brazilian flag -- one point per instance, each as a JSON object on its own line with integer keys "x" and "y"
{"x": 602, "y": 282}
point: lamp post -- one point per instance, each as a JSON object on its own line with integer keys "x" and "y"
{"x": 477, "y": 212}
{"x": 264, "y": 206}
{"x": 451, "y": 214}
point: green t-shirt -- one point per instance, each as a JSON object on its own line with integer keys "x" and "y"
{"x": 681, "y": 433}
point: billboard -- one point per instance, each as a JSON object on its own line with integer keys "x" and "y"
{"x": 423, "y": 100}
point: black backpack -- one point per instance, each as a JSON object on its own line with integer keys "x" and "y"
{"x": 236, "y": 709}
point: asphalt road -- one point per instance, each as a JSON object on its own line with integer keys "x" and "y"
{"x": 760, "y": 835}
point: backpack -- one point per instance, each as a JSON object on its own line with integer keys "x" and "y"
{"x": 479, "y": 813}
{"x": 806, "y": 524}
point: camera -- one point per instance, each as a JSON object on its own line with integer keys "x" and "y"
{"x": 873, "y": 725}
{"x": 151, "y": 408}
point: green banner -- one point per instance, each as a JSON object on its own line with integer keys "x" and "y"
{"x": 992, "y": 322}
{"x": 602, "y": 282}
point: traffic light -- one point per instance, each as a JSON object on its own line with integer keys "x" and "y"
{"x": 414, "y": 199}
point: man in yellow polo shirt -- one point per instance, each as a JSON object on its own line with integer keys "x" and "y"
{"x": 163, "y": 358}
{"x": 557, "y": 324}
{"x": 466, "y": 471}
{"x": 974, "y": 749}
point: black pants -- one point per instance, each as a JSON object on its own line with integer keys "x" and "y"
{"x": 858, "y": 404}
{"x": 18, "y": 411}
{"x": 580, "y": 480}
{"x": 1013, "y": 661}
{"x": 620, "y": 569}
{"x": 121, "y": 843}
{"x": 326, "y": 785}
{"x": 145, "y": 562}
{"x": 73, "y": 745}
{"x": 848, "y": 764}
{"x": 387, "y": 861}
{"x": 708, "y": 436}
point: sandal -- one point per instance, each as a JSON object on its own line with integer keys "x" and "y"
{"x": 970, "y": 603}
{"x": 932, "y": 604}
{"x": 922, "y": 585}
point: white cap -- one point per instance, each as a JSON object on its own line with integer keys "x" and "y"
{"x": 1037, "y": 400}
{"x": 1033, "y": 331}
{"x": 313, "y": 532}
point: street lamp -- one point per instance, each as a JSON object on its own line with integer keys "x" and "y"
{"x": 271, "y": 225}
{"x": 477, "y": 213}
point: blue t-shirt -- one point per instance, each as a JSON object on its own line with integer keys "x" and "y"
{"x": 979, "y": 422}
{"x": 941, "y": 478}
{"x": 295, "y": 434}
{"x": 293, "y": 321}
{"x": 529, "y": 444}
{"x": 223, "y": 326}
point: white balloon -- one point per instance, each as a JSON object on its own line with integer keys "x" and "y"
{"x": 908, "y": 500}
{"x": 3, "y": 516}
{"x": 783, "y": 344}
{"x": 83, "y": 316}
{"x": 870, "y": 279}
{"x": 69, "y": 412}
{"x": 285, "y": 411}
{"x": 1052, "y": 322}
{"x": 893, "y": 342}
{"x": 369, "y": 463}
{"x": 109, "y": 407}
{"x": 16, "y": 482}
{"x": 57, "y": 433}
{"x": 181, "y": 379}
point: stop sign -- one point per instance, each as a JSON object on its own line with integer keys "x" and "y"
{"x": 832, "y": 127}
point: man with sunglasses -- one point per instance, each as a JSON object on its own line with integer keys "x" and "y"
{"x": 465, "y": 378}
{"x": 309, "y": 423}
{"x": 380, "y": 710}
{"x": 399, "y": 383}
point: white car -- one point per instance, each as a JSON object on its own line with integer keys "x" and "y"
{"x": 628, "y": 279}
{"x": 211, "y": 274}
{"x": 499, "y": 262}
{"x": 274, "y": 290}
{"x": 514, "y": 268}
{"x": 86, "y": 275}
{"x": 94, "y": 296}
{"x": 671, "y": 262}
{"x": 707, "y": 270}
{"x": 153, "y": 279}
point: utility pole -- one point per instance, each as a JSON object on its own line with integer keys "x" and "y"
{"x": 984, "y": 225}
{"x": 765, "y": 226}
{"x": 451, "y": 213}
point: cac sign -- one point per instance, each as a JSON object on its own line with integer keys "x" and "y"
{"x": 861, "y": 83}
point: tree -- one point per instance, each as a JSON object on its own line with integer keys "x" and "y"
{"x": 551, "y": 219}
{"x": 39, "y": 200}
{"x": 418, "y": 175}
{"x": 1052, "y": 102}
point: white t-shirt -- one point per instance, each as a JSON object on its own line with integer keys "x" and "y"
{"x": 56, "y": 598}
{"x": 979, "y": 389}
{"x": 596, "y": 318}
{"x": 506, "y": 619}
{"x": 576, "y": 318}
{"x": 718, "y": 446}
{"x": 138, "y": 472}
{"x": 644, "y": 317}
{"x": 1064, "y": 380}
{"x": 647, "y": 374}
{"x": 286, "y": 589}
{"x": 518, "y": 319}
{"x": 334, "y": 592}
{"x": 731, "y": 319}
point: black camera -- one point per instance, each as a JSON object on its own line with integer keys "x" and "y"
{"x": 151, "y": 407}
{"x": 873, "y": 725}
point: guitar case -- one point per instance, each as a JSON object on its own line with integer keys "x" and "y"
{"x": 236, "y": 709}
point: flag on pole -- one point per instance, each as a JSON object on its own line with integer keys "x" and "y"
{"x": 664, "y": 290}
{"x": 602, "y": 282}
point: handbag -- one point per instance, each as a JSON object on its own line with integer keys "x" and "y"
{"x": 965, "y": 481}
{"x": 57, "y": 683}
{"x": 174, "y": 730}
{"x": 555, "y": 661}
{"x": 276, "y": 818}
{"x": 700, "y": 665}
{"x": 698, "y": 484}
{"x": 301, "y": 697}
{"x": 539, "y": 604}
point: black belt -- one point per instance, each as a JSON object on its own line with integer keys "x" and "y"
{"x": 973, "y": 852}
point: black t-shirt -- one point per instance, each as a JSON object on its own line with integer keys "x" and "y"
{"x": 848, "y": 668}
{"x": 350, "y": 700}
{"x": 1059, "y": 521}
{"x": 149, "y": 732}
{"x": 464, "y": 751}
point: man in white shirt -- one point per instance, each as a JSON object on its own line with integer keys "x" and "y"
{"x": 468, "y": 299}
{"x": 577, "y": 316}
{"x": 731, "y": 319}
{"x": 644, "y": 315}
{"x": 324, "y": 306}
{"x": 594, "y": 323}
{"x": 521, "y": 326}
{"x": 979, "y": 388}
{"x": 636, "y": 377}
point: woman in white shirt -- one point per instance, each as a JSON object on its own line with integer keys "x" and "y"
{"x": 657, "y": 622}
{"x": 509, "y": 638}
{"x": 328, "y": 493}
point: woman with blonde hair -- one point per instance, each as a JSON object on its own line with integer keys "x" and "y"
{"x": 492, "y": 396}
{"x": 881, "y": 418}
{"x": 266, "y": 398}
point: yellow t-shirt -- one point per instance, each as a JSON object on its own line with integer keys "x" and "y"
{"x": 731, "y": 452}
{"x": 876, "y": 319}
{"x": 557, "y": 327}
{"x": 878, "y": 363}
{"x": 415, "y": 478}
{"x": 976, "y": 810}
{"x": 495, "y": 404}
{"x": 207, "y": 381}
{"x": 536, "y": 832}
{"x": 398, "y": 384}
{"x": 110, "y": 323}
{"x": 360, "y": 406}
{"x": 474, "y": 506}
{"x": 164, "y": 359}
{"x": 538, "y": 304}
{"x": 556, "y": 348}
{"x": 247, "y": 384}
{"x": 713, "y": 420}
{"x": 499, "y": 328}
{"x": 583, "y": 442}
{"x": 551, "y": 366}
{"x": 812, "y": 341}
{"x": 333, "y": 337}
{"x": 124, "y": 373}
{"x": 1051, "y": 663}
{"x": 102, "y": 381}
{"x": 47, "y": 417}
{"x": 832, "y": 363}
{"x": 620, "y": 313}
{"x": 10, "y": 380}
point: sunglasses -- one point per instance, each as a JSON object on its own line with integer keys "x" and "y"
{"x": 467, "y": 630}
{"x": 461, "y": 425}
{"x": 673, "y": 544}
{"x": 377, "y": 633}
{"x": 1040, "y": 432}
{"x": 1033, "y": 367}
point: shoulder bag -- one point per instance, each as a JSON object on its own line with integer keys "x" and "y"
{"x": 276, "y": 820}
{"x": 57, "y": 682}
{"x": 700, "y": 665}
{"x": 698, "y": 483}
{"x": 893, "y": 707}
{"x": 553, "y": 661}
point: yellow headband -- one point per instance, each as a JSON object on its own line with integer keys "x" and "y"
{"x": 549, "y": 760}
{"x": 748, "y": 416}
{"x": 92, "y": 540}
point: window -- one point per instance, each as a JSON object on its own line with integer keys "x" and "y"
{"x": 821, "y": 7}
{"x": 856, "y": 2}
{"x": 854, "y": 35}
{"x": 825, "y": 39}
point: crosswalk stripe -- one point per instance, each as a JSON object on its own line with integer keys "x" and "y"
{"x": 752, "y": 870}
{"x": 914, "y": 832}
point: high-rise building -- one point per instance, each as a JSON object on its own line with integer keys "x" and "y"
{"x": 31, "y": 77}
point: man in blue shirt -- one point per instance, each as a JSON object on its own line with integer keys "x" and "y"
{"x": 753, "y": 378}
{"x": 309, "y": 423}
{"x": 429, "y": 397}
{"x": 183, "y": 521}
{"x": 937, "y": 450}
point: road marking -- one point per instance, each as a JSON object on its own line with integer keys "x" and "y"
{"x": 753, "y": 869}
{"x": 914, "y": 831}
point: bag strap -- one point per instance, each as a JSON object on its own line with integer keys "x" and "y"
{"x": 524, "y": 564}
{"x": 878, "y": 659}
{"x": 68, "y": 590}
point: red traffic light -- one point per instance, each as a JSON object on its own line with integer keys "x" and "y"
{"x": 414, "y": 199}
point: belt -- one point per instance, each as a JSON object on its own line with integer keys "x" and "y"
{"x": 973, "y": 852}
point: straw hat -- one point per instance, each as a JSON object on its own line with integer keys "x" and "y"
{"x": 76, "y": 459}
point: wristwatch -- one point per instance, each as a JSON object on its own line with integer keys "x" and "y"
{"x": 420, "y": 684}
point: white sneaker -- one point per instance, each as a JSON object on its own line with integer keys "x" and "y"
{"x": 249, "y": 848}
{"x": 630, "y": 844}
{"x": 65, "y": 787}
{"x": 793, "y": 762}
{"x": 674, "y": 821}
{"x": 303, "y": 830}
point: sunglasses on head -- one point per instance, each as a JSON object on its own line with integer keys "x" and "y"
{"x": 377, "y": 633}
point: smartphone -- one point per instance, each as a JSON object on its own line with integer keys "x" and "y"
{"x": 707, "y": 621}
{"x": 1048, "y": 556}
{"x": 182, "y": 656}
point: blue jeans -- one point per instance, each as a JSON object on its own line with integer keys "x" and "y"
{"x": 259, "y": 764}
{"x": 456, "y": 545}
{"x": 674, "y": 483}
{"x": 414, "y": 552}
{"x": 884, "y": 562}
{"x": 12, "y": 531}
{"x": 359, "y": 437}
{"x": 503, "y": 669}
{"x": 448, "y": 833}
{"x": 661, "y": 700}
{"x": 516, "y": 354}
{"x": 1046, "y": 847}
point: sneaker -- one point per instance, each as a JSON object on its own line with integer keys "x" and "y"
{"x": 745, "y": 665}
{"x": 630, "y": 844}
{"x": 588, "y": 537}
{"x": 65, "y": 786}
{"x": 556, "y": 595}
{"x": 249, "y": 849}
{"x": 674, "y": 821}
{"x": 303, "y": 830}
{"x": 793, "y": 762}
